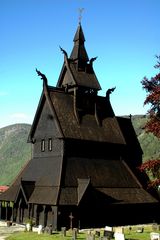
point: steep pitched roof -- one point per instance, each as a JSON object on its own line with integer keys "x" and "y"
{"x": 39, "y": 180}
{"x": 128, "y": 195}
{"x": 11, "y": 193}
{"x": 85, "y": 79}
{"x": 109, "y": 181}
{"x": 63, "y": 104}
{"x": 71, "y": 77}
{"x": 88, "y": 129}
{"x": 129, "y": 134}
{"x": 79, "y": 51}
{"x": 44, "y": 195}
{"x": 76, "y": 70}
{"x": 108, "y": 173}
{"x": 42, "y": 171}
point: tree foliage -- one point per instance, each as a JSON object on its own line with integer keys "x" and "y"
{"x": 152, "y": 168}
{"x": 152, "y": 87}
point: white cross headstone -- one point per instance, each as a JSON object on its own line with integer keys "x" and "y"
{"x": 40, "y": 227}
{"x": 154, "y": 236}
{"x": 119, "y": 236}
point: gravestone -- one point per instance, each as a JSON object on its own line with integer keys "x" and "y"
{"x": 74, "y": 233}
{"x": 40, "y": 229}
{"x": 98, "y": 233}
{"x": 108, "y": 228}
{"x": 46, "y": 230}
{"x": 155, "y": 227}
{"x": 108, "y": 232}
{"x": 28, "y": 227}
{"x": 119, "y": 230}
{"x": 154, "y": 236}
{"x": 140, "y": 230}
{"x": 119, "y": 236}
{"x": 90, "y": 236}
{"x": 63, "y": 231}
{"x": 50, "y": 229}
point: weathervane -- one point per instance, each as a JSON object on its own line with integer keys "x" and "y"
{"x": 80, "y": 14}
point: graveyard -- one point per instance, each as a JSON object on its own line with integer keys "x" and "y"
{"x": 141, "y": 232}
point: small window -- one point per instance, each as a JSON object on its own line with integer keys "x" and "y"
{"x": 50, "y": 144}
{"x": 42, "y": 145}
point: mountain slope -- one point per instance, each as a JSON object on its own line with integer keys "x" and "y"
{"x": 15, "y": 151}
{"x": 149, "y": 143}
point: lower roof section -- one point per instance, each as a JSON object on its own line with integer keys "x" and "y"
{"x": 44, "y": 195}
{"x": 128, "y": 195}
{"x": 10, "y": 194}
{"x": 107, "y": 173}
{"x": 105, "y": 196}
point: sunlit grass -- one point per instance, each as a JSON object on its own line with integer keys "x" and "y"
{"x": 133, "y": 234}
{"x": 129, "y": 232}
{"x": 35, "y": 236}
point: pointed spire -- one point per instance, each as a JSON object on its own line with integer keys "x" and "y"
{"x": 78, "y": 70}
{"x": 79, "y": 52}
{"x": 79, "y": 34}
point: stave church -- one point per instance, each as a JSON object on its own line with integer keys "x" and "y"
{"x": 84, "y": 167}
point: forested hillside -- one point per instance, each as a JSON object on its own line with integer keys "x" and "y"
{"x": 149, "y": 143}
{"x": 15, "y": 151}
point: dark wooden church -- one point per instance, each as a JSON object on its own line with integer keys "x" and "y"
{"x": 83, "y": 172}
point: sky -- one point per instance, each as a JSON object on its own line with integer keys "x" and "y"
{"x": 124, "y": 34}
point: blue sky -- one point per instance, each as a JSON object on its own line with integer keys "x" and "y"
{"x": 124, "y": 34}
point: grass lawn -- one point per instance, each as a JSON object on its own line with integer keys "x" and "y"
{"x": 130, "y": 234}
{"x": 35, "y": 236}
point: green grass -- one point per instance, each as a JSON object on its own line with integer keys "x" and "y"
{"x": 35, "y": 236}
{"x": 129, "y": 234}
{"x": 133, "y": 234}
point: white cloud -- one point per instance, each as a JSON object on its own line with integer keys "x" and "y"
{"x": 17, "y": 117}
{"x": 20, "y": 117}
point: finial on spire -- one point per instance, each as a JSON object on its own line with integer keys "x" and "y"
{"x": 80, "y": 14}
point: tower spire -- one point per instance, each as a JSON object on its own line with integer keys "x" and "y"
{"x": 79, "y": 53}
{"x": 77, "y": 70}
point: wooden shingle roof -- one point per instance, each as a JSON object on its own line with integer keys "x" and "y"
{"x": 79, "y": 51}
{"x": 73, "y": 77}
{"x": 44, "y": 195}
{"x": 85, "y": 79}
{"x": 107, "y": 173}
{"x": 128, "y": 195}
{"x": 88, "y": 129}
{"x": 42, "y": 171}
{"x": 110, "y": 180}
{"x": 78, "y": 70}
